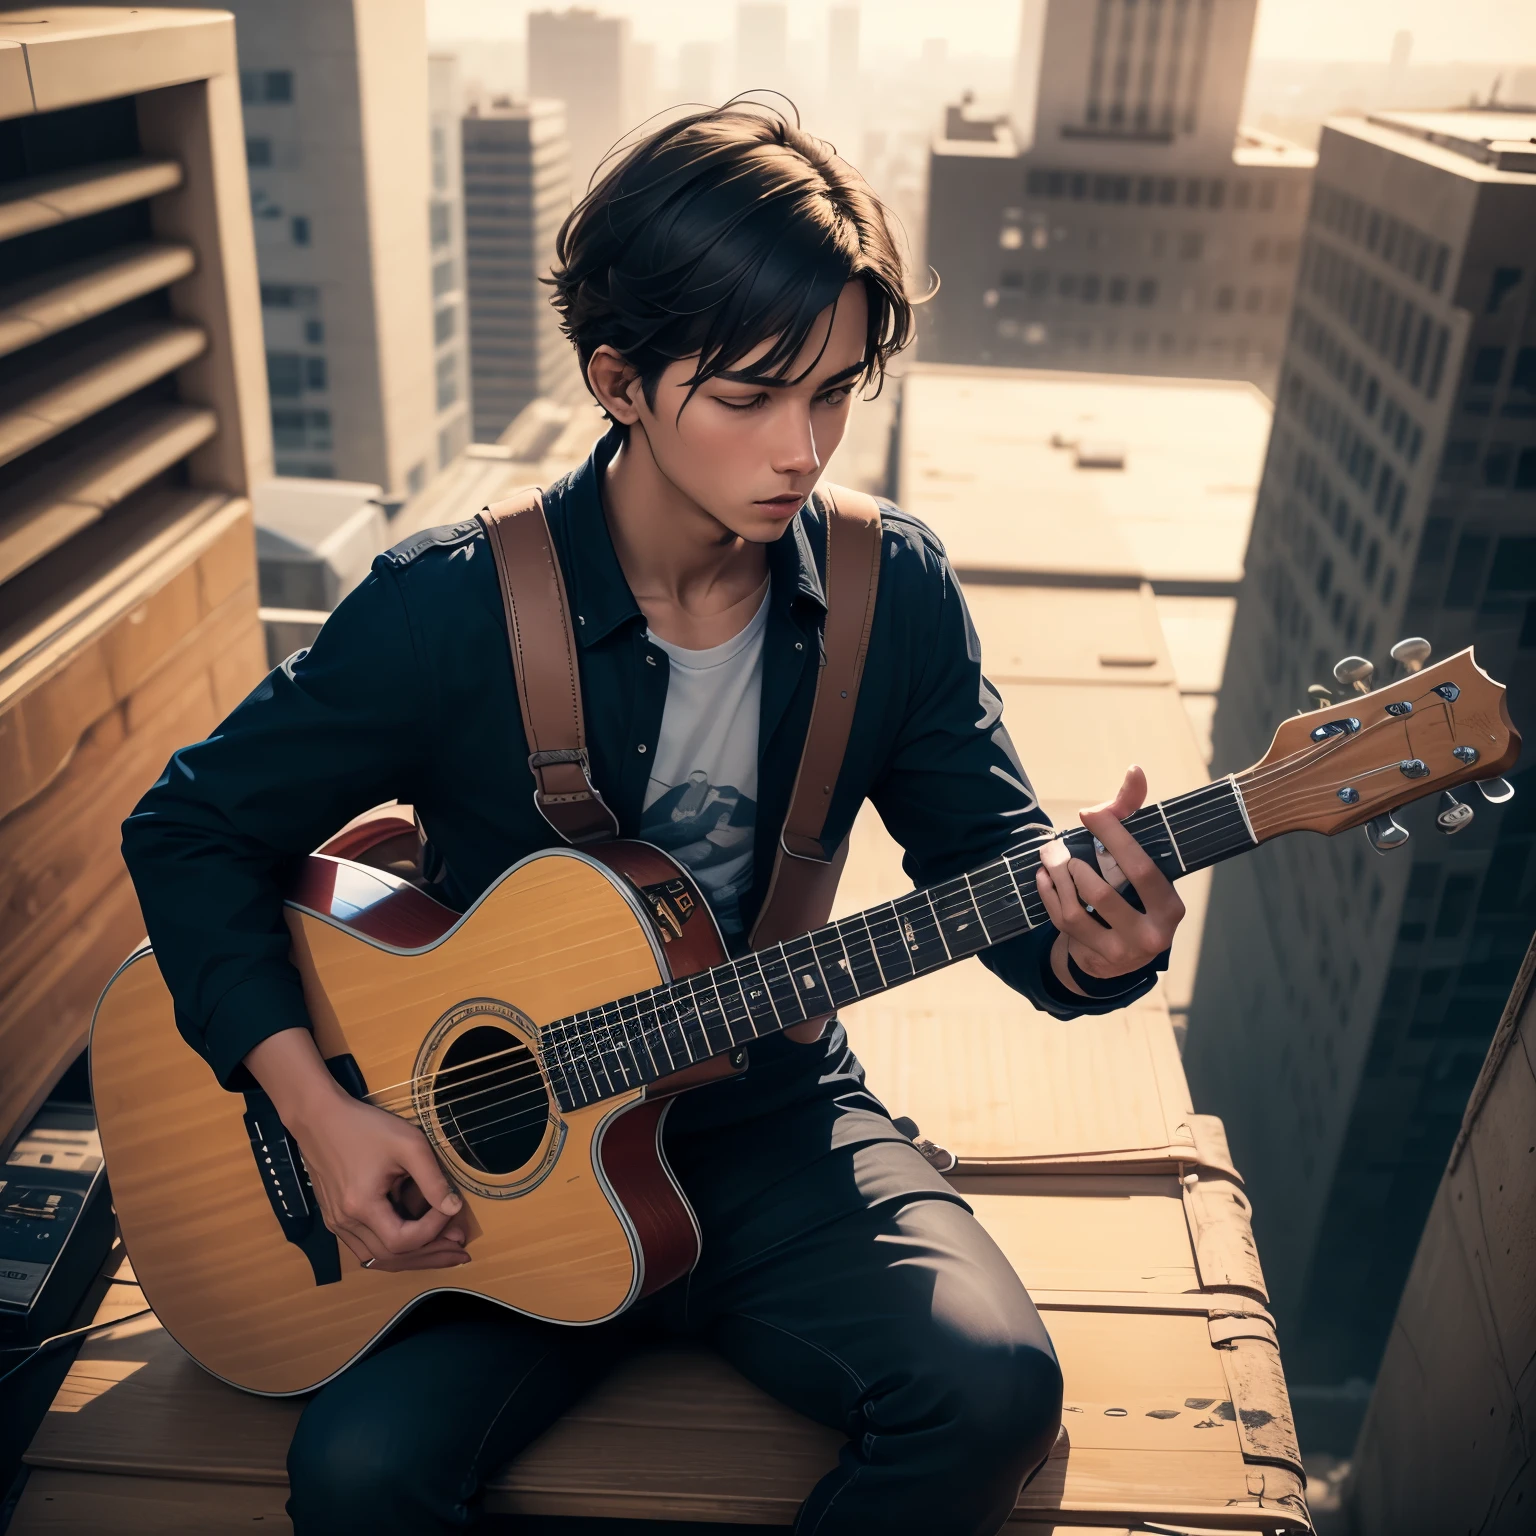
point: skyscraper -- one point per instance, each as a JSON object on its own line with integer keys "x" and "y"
{"x": 842, "y": 48}
{"x": 1345, "y": 1000}
{"x": 762, "y": 45}
{"x": 581, "y": 58}
{"x": 1123, "y": 220}
{"x": 698, "y": 72}
{"x": 336, "y": 128}
{"x": 450, "y": 328}
{"x": 516, "y": 192}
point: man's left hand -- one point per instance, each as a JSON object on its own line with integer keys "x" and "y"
{"x": 1068, "y": 886}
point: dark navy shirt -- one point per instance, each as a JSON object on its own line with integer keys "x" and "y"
{"x": 408, "y": 693}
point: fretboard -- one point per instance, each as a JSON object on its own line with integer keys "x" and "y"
{"x": 650, "y": 1035}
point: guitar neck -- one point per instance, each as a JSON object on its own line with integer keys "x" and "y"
{"x": 650, "y": 1035}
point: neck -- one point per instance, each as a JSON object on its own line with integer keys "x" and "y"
{"x": 674, "y": 554}
{"x": 650, "y": 1035}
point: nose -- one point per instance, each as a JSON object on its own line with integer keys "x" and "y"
{"x": 794, "y": 446}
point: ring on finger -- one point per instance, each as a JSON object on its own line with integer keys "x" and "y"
{"x": 369, "y": 1263}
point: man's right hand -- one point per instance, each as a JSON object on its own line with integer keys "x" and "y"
{"x": 367, "y": 1165}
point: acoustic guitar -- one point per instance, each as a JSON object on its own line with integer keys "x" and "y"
{"x": 538, "y": 1039}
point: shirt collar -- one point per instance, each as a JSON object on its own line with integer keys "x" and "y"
{"x": 600, "y": 596}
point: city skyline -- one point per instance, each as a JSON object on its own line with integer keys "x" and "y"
{"x": 1363, "y": 32}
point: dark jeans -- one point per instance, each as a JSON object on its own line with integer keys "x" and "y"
{"x": 899, "y": 1322}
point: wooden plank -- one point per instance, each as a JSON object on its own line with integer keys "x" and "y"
{"x": 69, "y": 913}
{"x": 61, "y": 498}
{"x": 37, "y": 202}
{"x": 15, "y": 87}
{"x": 1153, "y": 1428}
{"x": 68, "y": 1503}
{"x": 45, "y": 305}
{"x": 89, "y": 53}
{"x": 65, "y": 602}
{"x": 200, "y": 125}
{"x": 42, "y": 401}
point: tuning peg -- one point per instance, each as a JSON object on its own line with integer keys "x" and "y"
{"x": 1496, "y": 791}
{"x": 1412, "y": 653}
{"x": 1319, "y": 697}
{"x": 1356, "y": 671}
{"x": 1453, "y": 815}
{"x": 1384, "y": 833}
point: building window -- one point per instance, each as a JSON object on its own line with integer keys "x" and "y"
{"x": 258, "y": 85}
{"x": 1191, "y": 243}
{"x": 315, "y": 373}
{"x": 1254, "y": 301}
{"x": 443, "y": 278}
{"x": 441, "y": 219}
{"x": 1090, "y": 293}
{"x": 1466, "y": 571}
{"x": 301, "y": 231}
{"x": 439, "y": 158}
{"x": 1117, "y": 287}
{"x": 415, "y": 478}
{"x": 444, "y": 323}
{"x": 1240, "y": 194}
{"x": 1499, "y": 285}
{"x": 1224, "y": 299}
{"x": 285, "y": 375}
{"x": 314, "y": 332}
{"x": 447, "y": 380}
{"x": 1487, "y": 365}
{"x": 1216, "y": 194}
{"x": 1525, "y": 470}
{"x": 1261, "y": 250}
{"x": 258, "y": 153}
{"x": 1146, "y": 291}
{"x": 1496, "y": 463}
{"x": 289, "y": 296}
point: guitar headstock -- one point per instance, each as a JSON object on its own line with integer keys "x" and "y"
{"x": 1355, "y": 762}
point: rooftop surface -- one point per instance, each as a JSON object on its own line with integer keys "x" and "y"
{"x": 1505, "y": 141}
{"x": 990, "y": 459}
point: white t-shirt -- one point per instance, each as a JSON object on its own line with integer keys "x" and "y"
{"x": 701, "y": 799}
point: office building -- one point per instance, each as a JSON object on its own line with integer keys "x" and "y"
{"x": 843, "y": 48}
{"x": 762, "y": 45}
{"x": 1345, "y": 999}
{"x": 516, "y": 193}
{"x": 1121, "y": 219}
{"x": 445, "y": 218}
{"x": 698, "y": 73}
{"x": 582, "y": 59}
{"x": 334, "y": 95}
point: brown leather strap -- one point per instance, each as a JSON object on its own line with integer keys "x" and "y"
{"x": 805, "y": 875}
{"x": 544, "y": 662}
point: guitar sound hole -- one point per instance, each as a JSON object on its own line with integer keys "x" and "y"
{"x": 490, "y": 1100}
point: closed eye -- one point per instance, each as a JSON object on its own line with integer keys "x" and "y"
{"x": 743, "y": 405}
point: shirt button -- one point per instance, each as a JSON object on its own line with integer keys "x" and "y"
{"x": 799, "y": 645}
{"x": 641, "y": 747}
{"x": 650, "y": 661}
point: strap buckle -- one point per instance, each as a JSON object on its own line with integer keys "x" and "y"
{"x": 594, "y": 825}
{"x": 578, "y": 755}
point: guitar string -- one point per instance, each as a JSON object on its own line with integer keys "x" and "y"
{"x": 466, "y": 1124}
{"x": 987, "y": 902}
{"x": 1252, "y": 782}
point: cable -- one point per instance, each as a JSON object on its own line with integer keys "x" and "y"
{"x": 63, "y": 1338}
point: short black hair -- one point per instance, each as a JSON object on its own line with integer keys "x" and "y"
{"x": 724, "y": 229}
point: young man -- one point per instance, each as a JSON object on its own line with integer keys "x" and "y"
{"x": 727, "y": 286}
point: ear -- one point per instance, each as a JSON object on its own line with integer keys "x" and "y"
{"x": 615, "y": 384}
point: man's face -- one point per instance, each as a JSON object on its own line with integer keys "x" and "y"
{"x": 749, "y": 453}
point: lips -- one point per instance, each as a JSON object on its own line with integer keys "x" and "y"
{"x": 781, "y": 503}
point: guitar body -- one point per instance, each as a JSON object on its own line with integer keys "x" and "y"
{"x": 572, "y": 1216}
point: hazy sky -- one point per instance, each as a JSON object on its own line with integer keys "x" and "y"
{"x": 1443, "y": 30}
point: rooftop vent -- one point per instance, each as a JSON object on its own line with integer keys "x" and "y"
{"x": 1100, "y": 455}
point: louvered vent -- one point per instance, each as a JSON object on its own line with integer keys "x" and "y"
{"x": 91, "y": 426}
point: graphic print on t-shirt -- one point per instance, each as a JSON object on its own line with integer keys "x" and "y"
{"x": 701, "y": 798}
